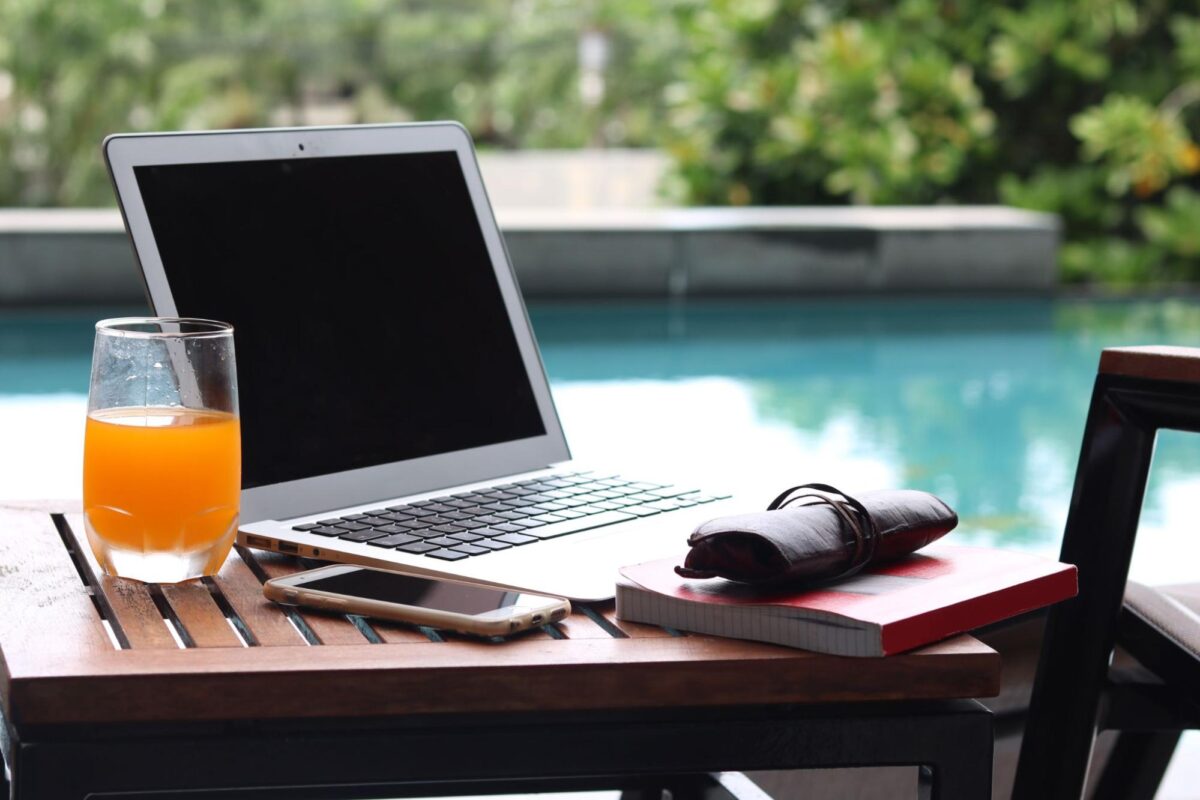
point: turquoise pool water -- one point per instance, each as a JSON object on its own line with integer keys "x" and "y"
{"x": 979, "y": 401}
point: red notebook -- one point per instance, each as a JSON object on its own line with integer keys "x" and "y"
{"x": 941, "y": 591}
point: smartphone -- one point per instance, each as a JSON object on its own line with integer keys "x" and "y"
{"x": 417, "y": 599}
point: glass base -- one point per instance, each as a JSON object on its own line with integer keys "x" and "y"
{"x": 160, "y": 566}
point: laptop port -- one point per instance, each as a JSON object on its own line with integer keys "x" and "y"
{"x": 258, "y": 541}
{"x": 288, "y": 547}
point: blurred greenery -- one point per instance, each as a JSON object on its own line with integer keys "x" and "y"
{"x": 1086, "y": 108}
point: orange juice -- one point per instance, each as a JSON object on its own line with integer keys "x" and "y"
{"x": 161, "y": 481}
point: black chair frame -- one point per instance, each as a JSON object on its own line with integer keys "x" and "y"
{"x": 1073, "y": 695}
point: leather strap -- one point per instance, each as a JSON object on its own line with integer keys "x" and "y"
{"x": 852, "y": 512}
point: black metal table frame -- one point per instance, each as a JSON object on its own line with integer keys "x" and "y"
{"x": 638, "y": 752}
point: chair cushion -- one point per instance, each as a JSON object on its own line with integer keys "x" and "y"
{"x": 1161, "y": 628}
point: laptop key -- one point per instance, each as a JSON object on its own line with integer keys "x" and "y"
{"x": 465, "y": 536}
{"x": 374, "y": 522}
{"x": 490, "y": 519}
{"x": 516, "y": 538}
{"x": 669, "y": 491}
{"x": 417, "y": 547}
{"x": 641, "y": 511}
{"x": 581, "y": 524}
{"x": 442, "y": 541}
{"x": 589, "y": 510}
{"x": 352, "y": 526}
{"x": 308, "y": 526}
{"x": 494, "y": 544}
{"x": 353, "y": 517}
{"x": 393, "y": 541}
{"x": 426, "y": 533}
{"x": 447, "y": 528}
{"x": 328, "y": 530}
{"x": 546, "y": 518}
{"x": 362, "y": 536}
{"x": 469, "y": 524}
{"x": 333, "y": 521}
{"x": 470, "y": 549}
{"x": 512, "y": 515}
{"x": 546, "y": 508}
{"x": 388, "y": 530}
{"x": 445, "y": 554}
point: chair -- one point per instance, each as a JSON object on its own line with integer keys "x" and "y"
{"x": 1138, "y": 391}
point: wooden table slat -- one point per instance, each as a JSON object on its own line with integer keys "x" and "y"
{"x": 266, "y": 621}
{"x": 329, "y": 628}
{"x": 580, "y": 625}
{"x": 199, "y": 615}
{"x": 634, "y": 630}
{"x": 45, "y": 607}
{"x": 131, "y": 611}
{"x": 396, "y": 633}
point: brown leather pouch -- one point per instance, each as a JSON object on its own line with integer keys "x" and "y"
{"x": 815, "y": 533}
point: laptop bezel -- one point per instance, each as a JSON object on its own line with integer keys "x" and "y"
{"x": 334, "y": 490}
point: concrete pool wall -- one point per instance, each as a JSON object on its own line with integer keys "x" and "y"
{"x": 73, "y": 256}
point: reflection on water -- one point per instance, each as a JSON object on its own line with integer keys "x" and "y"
{"x": 982, "y": 402}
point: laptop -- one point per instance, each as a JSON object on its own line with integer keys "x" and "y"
{"x": 394, "y": 407}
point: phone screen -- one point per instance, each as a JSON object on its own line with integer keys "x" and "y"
{"x": 410, "y": 590}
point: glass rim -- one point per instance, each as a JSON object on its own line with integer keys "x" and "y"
{"x": 208, "y": 328}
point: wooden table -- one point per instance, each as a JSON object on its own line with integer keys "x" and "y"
{"x": 115, "y": 686}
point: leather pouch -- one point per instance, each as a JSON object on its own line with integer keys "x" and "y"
{"x": 815, "y": 533}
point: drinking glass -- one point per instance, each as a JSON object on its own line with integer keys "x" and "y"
{"x": 162, "y": 450}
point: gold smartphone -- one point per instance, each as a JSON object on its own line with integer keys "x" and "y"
{"x": 417, "y": 599}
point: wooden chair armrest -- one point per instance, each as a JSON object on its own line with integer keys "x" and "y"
{"x": 1156, "y": 362}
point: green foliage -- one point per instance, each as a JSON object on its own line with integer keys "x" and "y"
{"x": 71, "y": 72}
{"x": 1085, "y": 108}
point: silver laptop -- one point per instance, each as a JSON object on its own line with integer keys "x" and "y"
{"x": 395, "y": 411}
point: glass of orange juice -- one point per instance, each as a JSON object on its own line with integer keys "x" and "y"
{"x": 162, "y": 458}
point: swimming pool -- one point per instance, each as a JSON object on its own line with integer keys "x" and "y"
{"x": 980, "y": 401}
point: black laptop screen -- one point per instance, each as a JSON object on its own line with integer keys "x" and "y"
{"x": 369, "y": 324}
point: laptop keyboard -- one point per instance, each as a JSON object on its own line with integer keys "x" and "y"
{"x": 472, "y": 524}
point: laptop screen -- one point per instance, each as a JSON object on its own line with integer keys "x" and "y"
{"x": 369, "y": 324}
